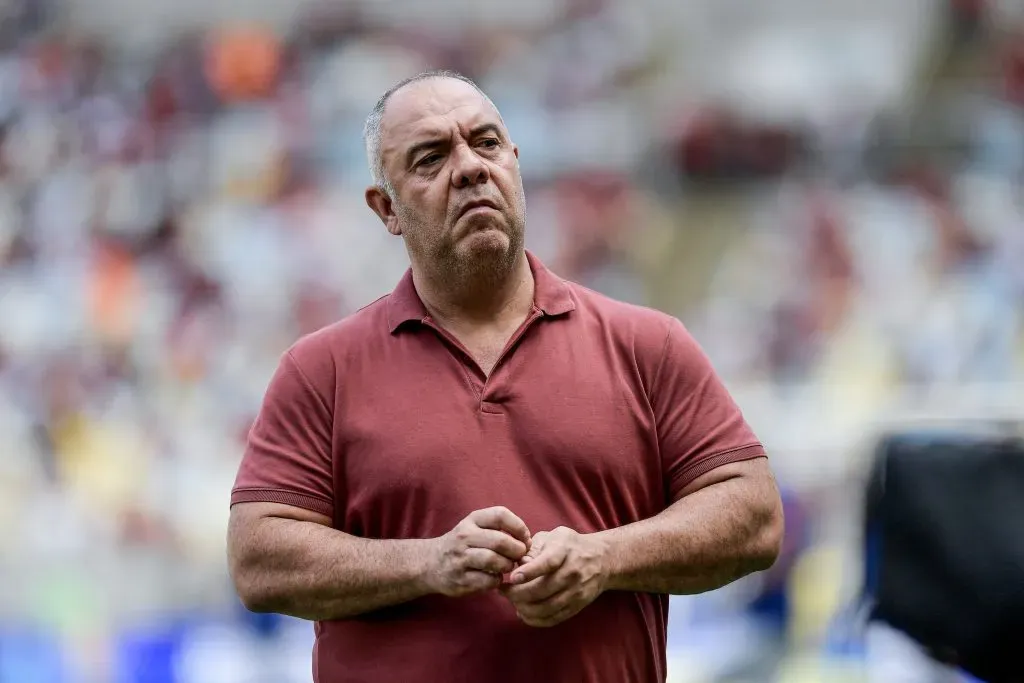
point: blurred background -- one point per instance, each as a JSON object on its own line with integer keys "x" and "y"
{"x": 828, "y": 195}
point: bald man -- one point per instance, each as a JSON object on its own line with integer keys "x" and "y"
{"x": 490, "y": 474}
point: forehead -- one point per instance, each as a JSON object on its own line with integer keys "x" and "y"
{"x": 433, "y": 106}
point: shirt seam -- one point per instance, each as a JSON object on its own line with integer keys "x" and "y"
{"x": 661, "y": 360}
{"x": 654, "y": 384}
{"x": 308, "y": 383}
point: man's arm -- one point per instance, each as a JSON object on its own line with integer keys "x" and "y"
{"x": 289, "y": 560}
{"x": 725, "y": 519}
{"x": 283, "y": 553}
{"x": 726, "y": 524}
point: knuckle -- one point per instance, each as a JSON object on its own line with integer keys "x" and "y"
{"x": 541, "y": 620}
{"x": 523, "y": 596}
{"x": 527, "y": 612}
{"x": 563, "y": 603}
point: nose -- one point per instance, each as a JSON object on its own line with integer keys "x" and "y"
{"x": 468, "y": 168}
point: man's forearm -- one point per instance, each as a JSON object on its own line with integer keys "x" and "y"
{"x": 314, "y": 572}
{"x": 701, "y": 542}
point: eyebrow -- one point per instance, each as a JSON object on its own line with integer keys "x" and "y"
{"x": 485, "y": 128}
{"x": 434, "y": 143}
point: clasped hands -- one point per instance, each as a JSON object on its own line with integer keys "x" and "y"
{"x": 548, "y": 577}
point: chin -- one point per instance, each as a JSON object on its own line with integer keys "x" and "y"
{"x": 484, "y": 254}
{"x": 489, "y": 242}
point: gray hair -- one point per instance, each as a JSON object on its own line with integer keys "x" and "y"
{"x": 372, "y": 128}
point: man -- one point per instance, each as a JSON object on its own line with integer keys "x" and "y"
{"x": 490, "y": 474}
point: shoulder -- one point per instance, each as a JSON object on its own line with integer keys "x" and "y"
{"x": 653, "y": 342}
{"x": 625, "y": 321}
{"x": 319, "y": 354}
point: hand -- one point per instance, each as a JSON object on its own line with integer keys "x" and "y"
{"x": 474, "y": 555}
{"x": 562, "y": 573}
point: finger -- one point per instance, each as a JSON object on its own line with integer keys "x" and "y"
{"x": 483, "y": 560}
{"x": 546, "y": 608}
{"x": 537, "y": 545}
{"x": 499, "y": 542}
{"x": 549, "y": 618}
{"x": 502, "y": 519}
{"x": 478, "y": 582}
{"x": 547, "y": 562}
{"x": 553, "y": 620}
{"x": 535, "y": 591}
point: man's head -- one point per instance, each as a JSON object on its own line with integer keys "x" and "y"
{"x": 446, "y": 176}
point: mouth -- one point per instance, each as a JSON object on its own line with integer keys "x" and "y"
{"x": 478, "y": 204}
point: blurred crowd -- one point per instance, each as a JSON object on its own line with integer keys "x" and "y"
{"x": 890, "y": 251}
{"x": 170, "y": 221}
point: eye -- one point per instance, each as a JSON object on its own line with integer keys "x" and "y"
{"x": 489, "y": 143}
{"x": 429, "y": 159}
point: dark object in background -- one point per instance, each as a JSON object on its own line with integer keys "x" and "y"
{"x": 946, "y": 514}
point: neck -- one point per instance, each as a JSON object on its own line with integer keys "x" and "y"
{"x": 477, "y": 299}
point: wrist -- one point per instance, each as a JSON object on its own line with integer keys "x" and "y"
{"x": 607, "y": 559}
{"x": 423, "y": 565}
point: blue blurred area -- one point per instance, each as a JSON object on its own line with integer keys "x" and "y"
{"x": 32, "y": 656}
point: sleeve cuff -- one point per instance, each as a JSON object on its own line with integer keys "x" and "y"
{"x": 299, "y": 500}
{"x": 684, "y": 477}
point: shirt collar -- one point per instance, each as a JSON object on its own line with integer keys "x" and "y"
{"x": 551, "y": 296}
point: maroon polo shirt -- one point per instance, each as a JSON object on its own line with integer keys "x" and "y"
{"x": 597, "y": 415}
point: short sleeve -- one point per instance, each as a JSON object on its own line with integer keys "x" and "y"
{"x": 288, "y": 454}
{"x": 699, "y": 425}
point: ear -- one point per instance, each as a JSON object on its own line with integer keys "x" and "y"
{"x": 515, "y": 150}
{"x": 380, "y": 203}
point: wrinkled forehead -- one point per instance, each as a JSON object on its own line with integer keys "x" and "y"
{"x": 431, "y": 108}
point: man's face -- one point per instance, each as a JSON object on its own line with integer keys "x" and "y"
{"x": 458, "y": 196}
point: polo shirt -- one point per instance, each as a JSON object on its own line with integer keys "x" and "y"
{"x": 597, "y": 414}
